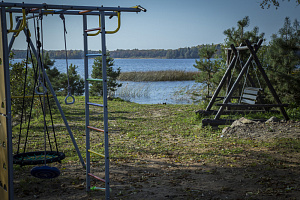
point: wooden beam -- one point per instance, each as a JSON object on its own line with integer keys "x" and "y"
{"x": 223, "y": 80}
{"x": 252, "y": 105}
{"x": 263, "y": 73}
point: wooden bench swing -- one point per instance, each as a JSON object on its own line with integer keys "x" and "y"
{"x": 250, "y": 100}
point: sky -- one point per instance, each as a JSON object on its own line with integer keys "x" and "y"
{"x": 167, "y": 24}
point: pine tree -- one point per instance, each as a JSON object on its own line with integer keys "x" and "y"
{"x": 96, "y": 88}
{"x": 75, "y": 80}
{"x": 284, "y": 61}
{"x": 239, "y": 35}
{"x": 17, "y": 81}
{"x": 207, "y": 67}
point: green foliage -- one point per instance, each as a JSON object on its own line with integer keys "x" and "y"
{"x": 54, "y": 75}
{"x": 180, "y": 53}
{"x": 294, "y": 113}
{"x": 207, "y": 67}
{"x": 17, "y": 79}
{"x": 76, "y": 82}
{"x": 283, "y": 62}
{"x": 59, "y": 81}
{"x": 170, "y": 75}
{"x": 96, "y": 88}
{"x": 267, "y": 3}
{"x": 239, "y": 35}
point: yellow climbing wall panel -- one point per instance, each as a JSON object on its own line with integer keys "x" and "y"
{"x": 3, "y": 159}
{"x": 4, "y": 189}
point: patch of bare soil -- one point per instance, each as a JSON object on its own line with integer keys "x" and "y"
{"x": 272, "y": 128}
{"x": 165, "y": 178}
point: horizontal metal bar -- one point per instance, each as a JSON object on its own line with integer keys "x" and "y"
{"x": 70, "y": 7}
{"x": 94, "y": 152}
{"x": 94, "y": 104}
{"x": 95, "y": 129}
{"x": 96, "y": 177}
{"x": 61, "y": 11}
{"x": 29, "y": 96}
{"x": 85, "y": 11}
{"x": 94, "y": 79}
{"x": 93, "y": 29}
{"x": 93, "y": 55}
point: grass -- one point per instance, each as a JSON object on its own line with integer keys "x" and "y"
{"x": 172, "y": 75}
{"x": 154, "y": 131}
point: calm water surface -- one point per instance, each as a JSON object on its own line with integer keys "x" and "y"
{"x": 145, "y": 92}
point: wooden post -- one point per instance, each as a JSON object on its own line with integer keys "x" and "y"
{"x": 263, "y": 73}
{"x": 217, "y": 91}
{"x": 228, "y": 61}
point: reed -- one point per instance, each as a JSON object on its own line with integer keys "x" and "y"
{"x": 128, "y": 92}
{"x": 173, "y": 75}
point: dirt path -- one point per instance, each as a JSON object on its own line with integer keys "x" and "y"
{"x": 277, "y": 176}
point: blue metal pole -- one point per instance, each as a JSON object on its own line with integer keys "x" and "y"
{"x": 105, "y": 109}
{"x": 87, "y": 111}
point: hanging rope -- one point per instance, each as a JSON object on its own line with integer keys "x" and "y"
{"x": 67, "y": 65}
{"x": 38, "y": 157}
{"x": 39, "y": 45}
{"x": 44, "y": 87}
{"x": 24, "y": 91}
{"x": 232, "y": 73}
{"x": 36, "y": 71}
{"x": 255, "y": 71}
{"x": 245, "y": 83}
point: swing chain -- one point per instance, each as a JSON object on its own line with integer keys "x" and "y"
{"x": 69, "y": 87}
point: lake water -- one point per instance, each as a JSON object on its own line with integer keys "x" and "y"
{"x": 170, "y": 92}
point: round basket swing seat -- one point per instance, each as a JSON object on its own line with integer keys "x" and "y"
{"x": 38, "y": 157}
{"x": 45, "y": 172}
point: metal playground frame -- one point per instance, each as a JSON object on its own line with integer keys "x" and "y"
{"x": 30, "y": 11}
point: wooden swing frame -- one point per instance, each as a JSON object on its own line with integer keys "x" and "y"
{"x": 245, "y": 106}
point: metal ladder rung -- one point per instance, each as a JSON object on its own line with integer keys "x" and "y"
{"x": 98, "y": 188}
{"x": 84, "y": 11}
{"x": 62, "y": 10}
{"x": 94, "y": 152}
{"x": 96, "y": 177}
{"x": 96, "y": 129}
{"x": 93, "y": 29}
{"x": 94, "y": 104}
{"x": 94, "y": 79}
{"x": 93, "y": 55}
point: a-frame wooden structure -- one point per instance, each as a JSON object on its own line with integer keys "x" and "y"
{"x": 226, "y": 100}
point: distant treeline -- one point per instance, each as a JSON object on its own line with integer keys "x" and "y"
{"x": 181, "y": 53}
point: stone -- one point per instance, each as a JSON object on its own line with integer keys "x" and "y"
{"x": 272, "y": 119}
{"x": 241, "y": 122}
{"x": 225, "y": 130}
